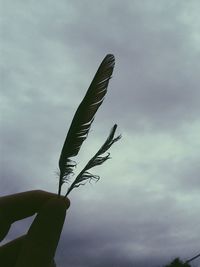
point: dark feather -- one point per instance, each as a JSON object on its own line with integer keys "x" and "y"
{"x": 84, "y": 117}
{"x": 96, "y": 160}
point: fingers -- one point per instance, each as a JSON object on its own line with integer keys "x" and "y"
{"x": 10, "y": 251}
{"x": 19, "y": 206}
{"x": 42, "y": 238}
{"x": 4, "y": 226}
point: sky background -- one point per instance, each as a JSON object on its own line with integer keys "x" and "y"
{"x": 145, "y": 209}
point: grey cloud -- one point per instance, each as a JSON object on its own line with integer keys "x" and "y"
{"x": 162, "y": 96}
{"x": 155, "y": 80}
{"x": 184, "y": 177}
{"x": 145, "y": 209}
{"x": 105, "y": 241}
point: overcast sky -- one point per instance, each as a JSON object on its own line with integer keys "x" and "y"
{"x": 145, "y": 209}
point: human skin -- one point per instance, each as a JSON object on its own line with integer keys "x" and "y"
{"x": 38, "y": 246}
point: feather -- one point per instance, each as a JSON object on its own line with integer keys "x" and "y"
{"x": 84, "y": 117}
{"x": 96, "y": 160}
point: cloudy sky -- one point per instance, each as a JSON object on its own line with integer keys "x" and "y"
{"x": 145, "y": 209}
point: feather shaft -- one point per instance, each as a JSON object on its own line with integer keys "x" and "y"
{"x": 96, "y": 160}
{"x": 84, "y": 117}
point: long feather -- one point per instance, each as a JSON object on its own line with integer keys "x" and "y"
{"x": 84, "y": 117}
{"x": 96, "y": 160}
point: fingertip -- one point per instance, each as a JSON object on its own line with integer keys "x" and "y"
{"x": 63, "y": 201}
{"x": 67, "y": 202}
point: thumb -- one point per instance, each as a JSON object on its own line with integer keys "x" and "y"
{"x": 43, "y": 236}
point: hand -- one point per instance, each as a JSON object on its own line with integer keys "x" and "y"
{"x": 37, "y": 248}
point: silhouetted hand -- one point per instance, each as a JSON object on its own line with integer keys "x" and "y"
{"x": 37, "y": 248}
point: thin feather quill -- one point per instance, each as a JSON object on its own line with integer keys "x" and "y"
{"x": 84, "y": 117}
{"x": 96, "y": 160}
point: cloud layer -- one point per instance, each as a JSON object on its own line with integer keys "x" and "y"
{"x": 145, "y": 208}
